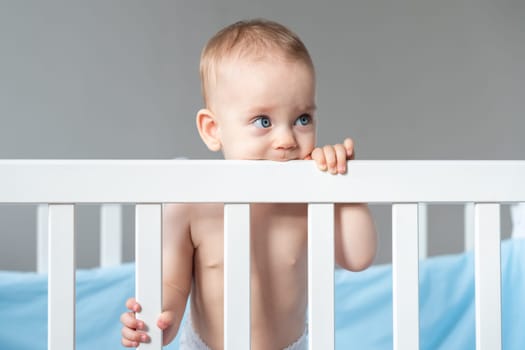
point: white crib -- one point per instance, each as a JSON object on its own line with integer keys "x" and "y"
{"x": 148, "y": 184}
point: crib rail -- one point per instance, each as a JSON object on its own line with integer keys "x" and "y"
{"x": 128, "y": 181}
{"x": 237, "y": 183}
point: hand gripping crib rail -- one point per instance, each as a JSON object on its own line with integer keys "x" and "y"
{"x": 62, "y": 183}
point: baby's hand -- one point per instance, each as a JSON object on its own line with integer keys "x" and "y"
{"x": 333, "y": 158}
{"x": 133, "y": 330}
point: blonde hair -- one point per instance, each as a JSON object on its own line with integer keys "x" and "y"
{"x": 258, "y": 39}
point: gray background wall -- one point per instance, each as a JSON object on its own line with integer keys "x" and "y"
{"x": 119, "y": 79}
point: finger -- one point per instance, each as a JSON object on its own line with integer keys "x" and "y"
{"x": 132, "y": 305}
{"x": 128, "y": 319}
{"x": 349, "y": 147}
{"x": 134, "y": 336}
{"x": 130, "y": 302}
{"x": 320, "y": 160}
{"x": 340, "y": 154}
{"x": 331, "y": 160}
{"x": 129, "y": 343}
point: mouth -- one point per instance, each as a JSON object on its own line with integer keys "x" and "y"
{"x": 279, "y": 157}
{"x": 283, "y": 158}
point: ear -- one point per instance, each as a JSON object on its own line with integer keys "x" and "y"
{"x": 208, "y": 127}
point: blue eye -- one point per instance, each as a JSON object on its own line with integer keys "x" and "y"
{"x": 303, "y": 120}
{"x": 262, "y": 122}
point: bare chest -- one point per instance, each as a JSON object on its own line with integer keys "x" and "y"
{"x": 278, "y": 234}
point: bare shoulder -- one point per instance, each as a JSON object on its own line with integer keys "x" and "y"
{"x": 188, "y": 219}
{"x": 171, "y": 211}
{"x": 176, "y": 219}
{"x": 188, "y": 210}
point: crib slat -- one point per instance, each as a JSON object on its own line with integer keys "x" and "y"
{"x": 321, "y": 276}
{"x": 422, "y": 219}
{"x": 517, "y": 212}
{"x": 110, "y": 235}
{"x": 61, "y": 278}
{"x": 468, "y": 225}
{"x": 42, "y": 237}
{"x": 236, "y": 276}
{"x": 487, "y": 267}
{"x": 148, "y": 278}
{"x": 405, "y": 278}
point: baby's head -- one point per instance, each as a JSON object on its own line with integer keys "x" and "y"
{"x": 254, "y": 69}
{"x": 254, "y": 40}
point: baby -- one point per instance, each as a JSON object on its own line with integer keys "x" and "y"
{"x": 258, "y": 83}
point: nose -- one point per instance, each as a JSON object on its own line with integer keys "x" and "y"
{"x": 285, "y": 140}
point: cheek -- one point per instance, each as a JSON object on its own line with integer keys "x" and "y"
{"x": 253, "y": 148}
{"x": 242, "y": 145}
{"x": 307, "y": 141}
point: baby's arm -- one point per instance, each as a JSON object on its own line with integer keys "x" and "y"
{"x": 355, "y": 234}
{"x": 177, "y": 265}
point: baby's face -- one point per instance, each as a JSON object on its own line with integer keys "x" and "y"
{"x": 265, "y": 109}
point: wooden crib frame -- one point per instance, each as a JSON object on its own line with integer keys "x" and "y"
{"x": 148, "y": 184}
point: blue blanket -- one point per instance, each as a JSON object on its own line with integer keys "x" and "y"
{"x": 363, "y": 305}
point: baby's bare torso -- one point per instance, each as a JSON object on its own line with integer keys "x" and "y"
{"x": 278, "y": 273}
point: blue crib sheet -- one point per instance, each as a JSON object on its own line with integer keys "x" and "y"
{"x": 363, "y": 305}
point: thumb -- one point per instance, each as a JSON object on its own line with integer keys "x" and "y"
{"x": 349, "y": 148}
{"x": 165, "y": 320}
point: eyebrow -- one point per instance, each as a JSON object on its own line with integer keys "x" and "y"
{"x": 267, "y": 109}
{"x": 310, "y": 108}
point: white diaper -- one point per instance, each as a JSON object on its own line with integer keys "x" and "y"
{"x": 300, "y": 344}
{"x": 190, "y": 340}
